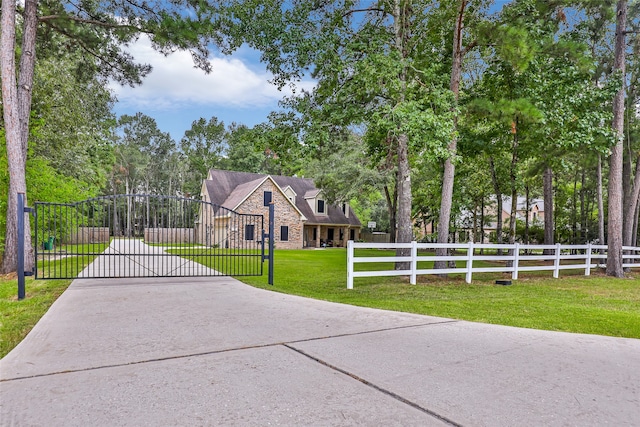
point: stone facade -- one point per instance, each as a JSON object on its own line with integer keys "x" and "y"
{"x": 285, "y": 213}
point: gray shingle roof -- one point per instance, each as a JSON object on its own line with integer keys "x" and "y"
{"x": 228, "y": 188}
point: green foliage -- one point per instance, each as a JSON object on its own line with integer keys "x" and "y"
{"x": 101, "y": 30}
{"x": 204, "y": 148}
{"x": 71, "y": 120}
{"x": 147, "y": 160}
{"x": 44, "y": 183}
{"x": 243, "y": 155}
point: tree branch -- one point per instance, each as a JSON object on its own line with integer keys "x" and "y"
{"x": 469, "y": 47}
{"x": 368, "y": 9}
{"x": 87, "y": 49}
{"x": 97, "y": 23}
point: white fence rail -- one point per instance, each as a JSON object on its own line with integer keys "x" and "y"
{"x": 514, "y": 256}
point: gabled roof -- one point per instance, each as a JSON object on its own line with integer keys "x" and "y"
{"x": 288, "y": 187}
{"x": 230, "y": 188}
{"x": 241, "y": 192}
{"x": 310, "y": 194}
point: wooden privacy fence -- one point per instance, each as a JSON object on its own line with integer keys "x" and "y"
{"x": 516, "y": 258}
{"x": 169, "y": 235}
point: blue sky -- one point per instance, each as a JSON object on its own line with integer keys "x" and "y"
{"x": 176, "y": 93}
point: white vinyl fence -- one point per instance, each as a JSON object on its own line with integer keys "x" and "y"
{"x": 515, "y": 257}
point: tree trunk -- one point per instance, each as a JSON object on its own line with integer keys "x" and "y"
{"x": 392, "y": 208}
{"x": 514, "y": 190}
{"x": 16, "y": 107}
{"x": 574, "y": 210}
{"x": 496, "y": 188}
{"x": 627, "y": 165}
{"x": 405, "y": 229}
{"x": 482, "y": 224}
{"x": 601, "y": 239}
{"x": 583, "y": 213}
{"x": 547, "y": 188}
{"x": 635, "y": 225}
{"x": 27, "y": 69}
{"x": 474, "y": 234}
{"x": 631, "y": 207}
{"x": 449, "y": 167}
{"x": 526, "y": 215}
{"x": 615, "y": 224}
{"x": 403, "y": 193}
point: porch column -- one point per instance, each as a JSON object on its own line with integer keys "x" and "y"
{"x": 318, "y": 236}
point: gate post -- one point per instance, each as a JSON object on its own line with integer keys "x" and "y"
{"x": 271, "y": 237}
{"x": 21, "y": 290}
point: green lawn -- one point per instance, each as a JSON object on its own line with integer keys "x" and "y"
{"x": 573, "y": 303}
{"x": 18, "y": 317}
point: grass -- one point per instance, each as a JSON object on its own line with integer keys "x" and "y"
{"x": 574, "y": 303}
{"x": 17, "y": 318}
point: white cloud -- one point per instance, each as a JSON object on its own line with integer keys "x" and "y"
{"x": 174, "y": 82}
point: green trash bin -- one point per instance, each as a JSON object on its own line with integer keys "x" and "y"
{"x": 48, "y": 245}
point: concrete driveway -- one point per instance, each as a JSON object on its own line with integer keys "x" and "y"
{"x": 213, "y": 351}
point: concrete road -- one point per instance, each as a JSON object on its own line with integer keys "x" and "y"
{"x": 213, "y": 351}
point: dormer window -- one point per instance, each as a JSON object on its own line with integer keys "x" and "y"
{"x": 345, "y": 209}
{"x": 291, "y": 195}
{"x": 320, "y": 208}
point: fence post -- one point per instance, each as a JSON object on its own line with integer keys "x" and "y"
{"x": 414, "y": 261}
{"x": 587, "y": 270}
{"x": 350, "y": 264}
{"x": 556, "y": 264}
{"x": 469, "y": 276}
{"x": 271, "y": 240}
{"x": 516, "y": 262}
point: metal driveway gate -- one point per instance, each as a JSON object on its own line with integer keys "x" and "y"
{"x": 146, "y": 236}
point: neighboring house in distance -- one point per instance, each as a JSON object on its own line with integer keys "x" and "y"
{"x": 535, "y": 214}
{"x": 465, "y": 221}
{"x": 302, "y": 216}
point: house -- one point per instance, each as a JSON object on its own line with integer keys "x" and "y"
{"x": 535, "y": 213}
{"x": 303, "y": 218}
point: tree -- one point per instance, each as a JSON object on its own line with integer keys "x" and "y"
{"x": 145, "y": 158}
{"x": 15, "y": 99}
{"x": 615, "y": 223}
{"x": 242, "y": 153}
{"x": 69, "y": 151}
{"x": 100, "y": 29}
{"x": 376, "y": 69}
{"x": 449, "y": 164}
{"x": 204, "y": 147}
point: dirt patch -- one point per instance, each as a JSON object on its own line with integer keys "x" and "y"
{"x": 10, "y": 276}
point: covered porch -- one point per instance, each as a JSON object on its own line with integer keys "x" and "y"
{"x": 326, "y": 236}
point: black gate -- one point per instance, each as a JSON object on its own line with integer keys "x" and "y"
{"x": 146, "y": 236}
